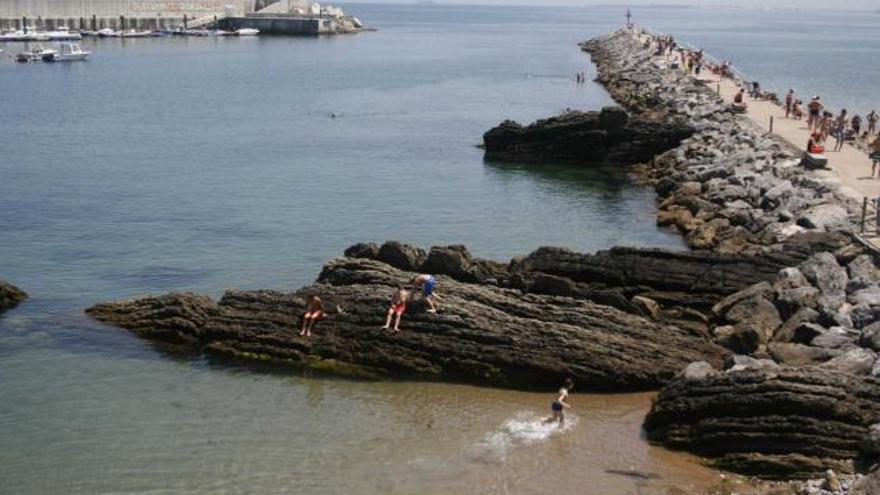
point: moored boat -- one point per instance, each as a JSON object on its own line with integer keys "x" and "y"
{"x": 247, "y": 32}
{"x": 35, "y": 55}
{"x": 131, "y": 33}
{"x": 63, "y": 33}
{"x": 70, "y": 52}
{"x": 108, "y": 33}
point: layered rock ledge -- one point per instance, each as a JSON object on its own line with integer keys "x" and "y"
{"x": 485, "y": 334}
{"x": 607, "y": 137}
{"x": 10, "y": 296}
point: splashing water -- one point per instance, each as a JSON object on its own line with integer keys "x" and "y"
{"x": 524, "y": 428}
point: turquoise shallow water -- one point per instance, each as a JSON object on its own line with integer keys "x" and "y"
{"x": 202, "y": 164}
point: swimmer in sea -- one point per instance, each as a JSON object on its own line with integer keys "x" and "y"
{"x": 558, "y": 405}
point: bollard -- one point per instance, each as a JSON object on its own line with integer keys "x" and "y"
{"x": 94, "y": 22}
{"x": 771, "y": 124}
{"x": 864, "y": 213}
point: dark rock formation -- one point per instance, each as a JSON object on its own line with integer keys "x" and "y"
{"x": 606, "y": 137}
{"x": 484, "y": 334}
{"x": 783, "y": 422}
{"x": 10, "y": 296}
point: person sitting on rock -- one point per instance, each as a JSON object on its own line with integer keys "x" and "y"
{"x": 397, "y": 308}
{"x": 814, "y": 145}
{"x": 798, "y": 109}
{"x": 314, "y": 312}
{"x": 557, "y": 406}
{"x": 427, "y": 284}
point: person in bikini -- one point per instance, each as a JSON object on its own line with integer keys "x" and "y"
{"x": 397, "y": 308}
{"x": 314, "y": 312}
{"x": 427, "y": 284}
{"x": 558, "y": 405}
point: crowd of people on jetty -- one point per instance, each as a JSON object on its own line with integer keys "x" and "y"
{"x": 821, "y": 122}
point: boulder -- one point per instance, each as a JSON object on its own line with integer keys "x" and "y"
{"x": 869, "y": 485}
{"x": 826, "y": 218}
{"x": 790, "y": 278}
{"x": 369, "y": 250}
{"x": 402, "y": 256}
{"x": 789, "y": 301}
{"x": 738, "y": 362}
{"x": 834, "y": 338}
{"x": 743, "y": 339}
{"x": 863, "y": 268}
{"x": 786, "y": 332}
{"x": 756, "y": 313}
{"x": 858, "y": 361}
{"x": 759, "y": 290}
{"x": 483, "y": 334}
{"x": 863, "y": 315}
{"x": 871, "y": 444}
{"x": 456, "y": 261}
{"x": 698, "y": 370}
{"x": 799, "y": 354}
{"x": 10, "y": 296}
{"x": 648, "y": 306}
{"x": 823, "y": 271}
{"x": 868, "y": 297}
{"x": 870, "y": 336}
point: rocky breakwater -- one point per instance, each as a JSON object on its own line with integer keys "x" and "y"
{"x": 10, "y": 296}
{"x": 729, "y": 187}
{"x": 486, "y": 333}
{"x": 607, "y": 137}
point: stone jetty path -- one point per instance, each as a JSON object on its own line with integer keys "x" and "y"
{"x": 849, "y": 169}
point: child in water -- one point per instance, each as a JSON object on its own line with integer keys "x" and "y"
{"x": 559, "y": 404}
{"x": 314, "y": 312}
{"x": 398, "y": 307}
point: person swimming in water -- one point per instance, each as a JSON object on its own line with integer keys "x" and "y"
{"x": 397, "y": 308}
{"x": 427, "y": 284}
{"x": 558, "y": 405}
{"x": 313, "y": 313}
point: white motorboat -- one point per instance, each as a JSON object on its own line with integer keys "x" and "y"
{"x": 62, "y": 33}
{"x": 14, "y": 36}
{"x": 37, "y": 36}
{"x": 35, "y": 55}
{"x": 131, "y": 33}
{"x": 70, "y": 52}
{"x": 107, "y": 33}
{"x": 247, "y": 32}
{"x": 221, "y": 32}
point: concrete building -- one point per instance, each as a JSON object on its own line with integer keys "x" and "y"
{"x": 97, "y": 14}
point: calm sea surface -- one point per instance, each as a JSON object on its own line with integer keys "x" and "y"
{"x": 202, "y": 164}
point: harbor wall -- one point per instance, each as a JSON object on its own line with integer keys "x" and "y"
{"x": 97, "y": 14}
{"x": 284, "y": 25}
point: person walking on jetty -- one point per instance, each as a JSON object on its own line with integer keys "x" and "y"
{"x": 839, "y": 130}
{"x": 874, "y": 155}
{"x": 789, "y": 102}
{"x": 872, "y": 118}
{"x": 815, "y": 108}
{"x": 427, "y": 283}
{"x": 314, "y": 312}
{"x": 559, "y": 405}
{"x": 398, "y": 306}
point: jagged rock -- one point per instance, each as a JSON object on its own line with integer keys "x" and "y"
{"x": 483, "y": 334}
{"x": 648, "y": 306}
{"x": 869, "y": 485}
{"x": 832, "y": 482}
{"x": 834, "y": 338}
{"x": 755, "y": 314}
{"x": 609, "y": 136}
{"x": 829, "y": 277}
{"x": 10, "y": 296}
{"x": 870, "y": 336}
{"x": 863, "y": 315}
{"x": 369, "y": 250}
{"x": 826, "y": 217}
{"x": 738, "y": 362}
{"x": 869, "y": 296}
{"x": 858, "y": 361}
{"x": 871, "y": 444}
{"x": 798, "y": 354}
{"x": 698, "y": 371}
{"x": 402, "y": 256}
{"x": 863, "y": 268}
{"x": 790, "y": 278}
{"x": 552, "y": 285}
{"x": 778, "y": 423}
{"x": 789, "y": 301}
{"x": 739, "y": 339}
{"x": 805, "y": 332}
{"x": 457, "y": 262}
{"x": 786, "y": 332}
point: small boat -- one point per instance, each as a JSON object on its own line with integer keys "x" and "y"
{"x": 159, "y": 33}
{"x": 14, "y": 36}
{"x": 107, "y": 33}
{"x": 37, "y": 36}
{"x": 221, "y": 32}
{"x": 131, "y": 33}
{"x": 34, "y": 55}
{"x": 70, "y": 52}
{"x": 197, "y": 32}
{"x": 62, "y": 33}
{"x": 247, "y": 32}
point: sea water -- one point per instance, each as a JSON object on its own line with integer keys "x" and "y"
{"x": 202, "y": 164}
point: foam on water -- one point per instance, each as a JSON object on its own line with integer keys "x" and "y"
{"x": 523, "y": 429}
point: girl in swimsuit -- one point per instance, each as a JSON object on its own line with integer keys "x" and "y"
{"x": 557, "y": 406}
{"x": 314, "y": 312}
{"x": 398, "y": 307}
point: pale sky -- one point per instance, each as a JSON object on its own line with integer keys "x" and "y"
{"x": 761, "y": 4}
